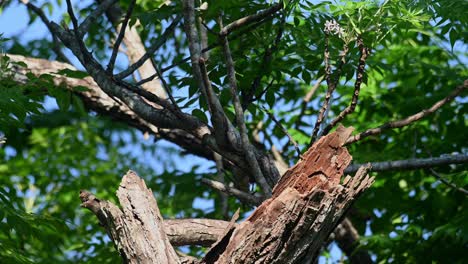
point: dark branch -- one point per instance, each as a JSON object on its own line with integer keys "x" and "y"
{"x": 115, "y": 50}
{"x": 244, "y": 197}
{"x": 250, "y": 19}
{"x": 247, "y": 97}
{"x": 412, "y": 164}
{"x": 45, "y": 20}
{"x": 285, "y": 131}
{"x": 306, "y": 100}
{"x": 447, "y": 182}
{"x": 102, "y": 7}
{"x": 248, "y": 148}
{"x": 156, "y": 45}
{"x": 410, "y": 119}
{"x": 357, "y": 87}
{"x": 330, "y": 90}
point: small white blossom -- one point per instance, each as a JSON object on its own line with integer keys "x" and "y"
{"x": 332, "y": 27}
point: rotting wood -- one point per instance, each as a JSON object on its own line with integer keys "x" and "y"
{"x": 305, "y": 207}
{"x": 290, "y": 227}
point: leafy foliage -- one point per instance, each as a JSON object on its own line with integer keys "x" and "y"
{"x": 52, "y": 151}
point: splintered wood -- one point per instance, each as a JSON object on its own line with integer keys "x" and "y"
{"x": 305, "y": 207}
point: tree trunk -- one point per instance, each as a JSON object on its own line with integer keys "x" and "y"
{"x": 290, "y": 227}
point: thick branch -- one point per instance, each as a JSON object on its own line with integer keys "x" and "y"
{"x": 136, "y": 230}
{"x": 305, "y": 207}
{"x": 247, "y": 147}
{"x": 203, "y": 232}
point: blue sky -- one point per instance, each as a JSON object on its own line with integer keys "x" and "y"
{"x": 14, "y": 22}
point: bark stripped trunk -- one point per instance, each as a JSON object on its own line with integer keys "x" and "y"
{"x": 290, "y": 227}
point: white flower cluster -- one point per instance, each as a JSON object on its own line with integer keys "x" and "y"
{"x": 332, "y": 27}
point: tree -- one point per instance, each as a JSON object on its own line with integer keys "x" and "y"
{"x": 251, "y": 88}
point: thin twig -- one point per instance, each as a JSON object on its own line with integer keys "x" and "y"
{"x": 247, "y": 98}
{"x": 115, "y": 50}
{"x": 223, "y": 198}
{"x": 164, "y": 84}
{"x": 357, "y": 87}
{"x": 84, "y": 52}
{"x": 149, "y": 79}
{"x": 410, "y": 119}
{"x": 242, "y": 196}
{"x": 248, "y": 148}
{"x": 448, "y": 183}
{"x": 329, "y": 93}
{"x": 101, "y": 8}
{"x": 215, "y": 45}
{"x": 270, "y": 84}
{"x": 45, "y": 20}
{"x": 291, "y": 139}
{"x": 156, "y": 45}
{"x": 306, "y": 100}
{"x": 249, "y": 19}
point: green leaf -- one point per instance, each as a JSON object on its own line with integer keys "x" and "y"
{"x": 200, "y": 114}
{"x": 73, "y": 73}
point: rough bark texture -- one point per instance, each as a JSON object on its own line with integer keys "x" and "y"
{"x": 203, "y": 232}
{"x": 137, "y": 229}
{"x": 290, "y": 227}
{"x": 306, "y": 205}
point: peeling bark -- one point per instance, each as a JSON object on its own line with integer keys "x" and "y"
{"x": 306, "y": 205}
{"x": 290, "y": 227}
{"x": 136, "y": 230}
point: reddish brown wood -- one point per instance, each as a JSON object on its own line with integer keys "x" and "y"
{"x": 306, "y": 205}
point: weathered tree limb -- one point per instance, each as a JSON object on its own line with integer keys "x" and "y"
{"x": 306, "y": 205}
{"x": 203, "y": 232}
{"x": 137, "y": 230}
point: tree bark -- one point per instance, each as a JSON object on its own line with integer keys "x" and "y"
{"x": 136, "y": 229}
{"x": 290, "y": 227}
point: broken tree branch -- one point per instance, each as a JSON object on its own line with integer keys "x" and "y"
{"x": 305, "y": 207}
{"x": 410, "y": 119}
{"x": 137, "y": 229}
